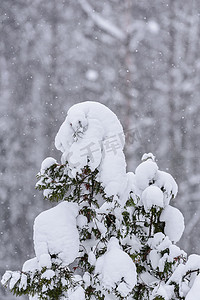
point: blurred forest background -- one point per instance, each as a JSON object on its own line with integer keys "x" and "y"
{"x": 141, "y": 58}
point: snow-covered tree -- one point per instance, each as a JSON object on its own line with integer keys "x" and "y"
{"x": 112, "y": 234}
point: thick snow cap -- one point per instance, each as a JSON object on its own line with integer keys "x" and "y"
{"x": 116, "y": 266}
{"x": 47, "y": 163}
{"x": 151, "y": 196}
{"x": 55, "y": 232}
{"x": 174, "y": 223}
{"x": 147, "y": 174}
{"x": 92, "y": 135}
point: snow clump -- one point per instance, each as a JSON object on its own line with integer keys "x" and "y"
{"x": 92, "y": 135}
{"x": 55, "y": 233}
{"x": 151, "y": 196}
{"x": 116, "y": 267}
{"x": 47, "y": 163}
{"x": 174, "y": 223}
{"x": 146, "y": 173}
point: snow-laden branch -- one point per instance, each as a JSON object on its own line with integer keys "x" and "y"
{"x": 102, "y": 23}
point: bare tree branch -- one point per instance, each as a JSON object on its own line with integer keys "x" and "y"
{"x": 102, "y": 23}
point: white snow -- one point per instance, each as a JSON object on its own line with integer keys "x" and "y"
{"x": 92, "y": 135}
{"x": 156, "y": 240}
{"x": 7, "y": 275}
{"x": 162, "y": 262}
{"x": 91, "y": 258}
{"x": 175, "y": 251}
{"x": 81, "y": 221}
{"x": 165, "y": 243}
{"x": 148, "y": 156}
{"x": 133, "y": 241}
{"x": 151, "y": 196}
{"x": 154, "y": 257}
{"x": 87, "y": 279}
{"x": 131, "y": 182}
{"x": 174, "y": 223}
{"x": 86, "y": 148}
{"x": 178, "y": 274}
{"x": 15, "y": 278}
{"x": 45, "y": 260}
{"x": 159, "y": 243}
{"x": 193, "y": 262}
{"x": 23, "y": 282}
{"x": 77, "y": 122}
{"x": 48, "y": 274}
{"x": 47, "y": 163}
{"x": 114, "y": 266}
{"x": 194, "y": 293}
{"x": 113, "y": 174}
{"x": 30, "y": 265}
{"x": 33, "y": 297}
{"x": 55, "y": 232}
{"x": 146, "y": 173}
{"x": 46, "y": 192}
{"x": 166, "y": 181}
{"x": 78, "y": 294}
{"x": 166, "y": 291}
{"x": 148, "y": 278}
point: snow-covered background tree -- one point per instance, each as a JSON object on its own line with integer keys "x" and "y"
{"x": 140, "y": 58}
{"x": 111, "y": 234}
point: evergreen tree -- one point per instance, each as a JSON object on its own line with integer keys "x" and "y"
{"x": 112, "y": 234}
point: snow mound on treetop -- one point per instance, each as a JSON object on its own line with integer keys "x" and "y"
{"x": 55, "y": 232}
{"x": 116, "y": 267}
{"x": 92, "y": 135}
{"x": 77, "y": 122}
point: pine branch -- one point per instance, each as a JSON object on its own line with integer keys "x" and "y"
{"x": 190, "y": 272}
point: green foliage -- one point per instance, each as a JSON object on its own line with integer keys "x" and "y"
{"x": 130, "y": 224}
{"x": 39, "y": 283}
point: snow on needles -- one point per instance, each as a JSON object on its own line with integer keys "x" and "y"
{"x": 55, "y": 232}
{"x": 47, "y": 163}
{"x": 174, "y": 223}
{"x": 194, "y": 293}
{"x": 92, "y": 135}
{"x": 116, "y": 267}
{"x": 147, "y": 173}
{"x": 152, "y": 195}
